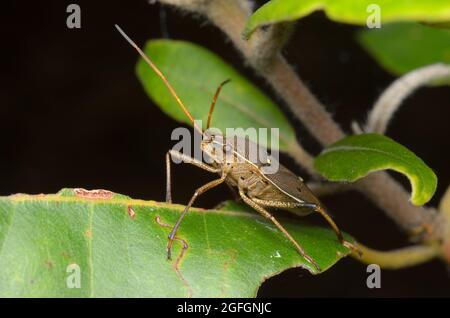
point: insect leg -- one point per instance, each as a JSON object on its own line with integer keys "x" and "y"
{"x": 276, "y": 204}
{"x": 330, "y": 221}
{"x": 312, "y": 206}
{"x": 336, "y": 229}
{"x": 178, "y": 155}
{"x": 266, "y": 214}
{"x": 197, "y": 192}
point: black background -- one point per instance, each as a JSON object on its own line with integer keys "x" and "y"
{"x": 74, "y": 115}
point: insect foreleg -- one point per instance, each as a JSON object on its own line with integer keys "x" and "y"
{"x": 197, "y": 192}
{"x": 186, "y": 159}
{"x": 269, "y": 216}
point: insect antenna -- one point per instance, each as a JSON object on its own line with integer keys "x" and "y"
{"x": 161, "y": 75}
{"x": 216, "y": 95}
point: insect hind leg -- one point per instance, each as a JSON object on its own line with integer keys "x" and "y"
{"x": 336, "y": 229}
{"x": 269, "y": 216}
{"x": 305, "y": 205}
{"x": 330, "y": 221}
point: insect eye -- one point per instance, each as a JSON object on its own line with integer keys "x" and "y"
{"x": 227, "y": 148}
{"x": 208, "y": 138}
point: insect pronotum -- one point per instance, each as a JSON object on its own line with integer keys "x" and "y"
{"x": 280, "y": 190}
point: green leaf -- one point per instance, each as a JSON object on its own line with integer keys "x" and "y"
{"x": 354, "y": 157}
{"x": 120, "y": 248}
{"x": 349, "y": 11}
{"x": 403, "y": 47}
{"x": 195, "y": 73}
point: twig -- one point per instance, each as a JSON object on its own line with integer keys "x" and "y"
{"x": 230, "y": 16}
{"x": 393, "y": 199}
{"x": 267, "y": 46}
{"x": 391, "y": 99}
{"x": 399, "y": 258}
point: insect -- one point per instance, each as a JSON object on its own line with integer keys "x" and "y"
{"x": 259, "y": 190}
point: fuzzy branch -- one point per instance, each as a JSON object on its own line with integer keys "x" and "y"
{"x": 262, "y": 53}
{"x": 391, "y": 99}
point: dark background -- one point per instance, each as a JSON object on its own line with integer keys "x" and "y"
{"x": 74, "y": 115}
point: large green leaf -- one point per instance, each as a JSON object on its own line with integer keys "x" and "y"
{"x": 356, "y": 156}
{"x": 349, "y": 11}
{"x": 120, "y": 248}
{"x": 195, "y": 74}
{"x": 403, "y": 47}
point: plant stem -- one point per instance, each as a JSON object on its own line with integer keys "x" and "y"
{"x": 399, "y": 258}
{"x": 391, "y": 99}
{"x": 303, "y": 104}
{"x": 392, "y": 198}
